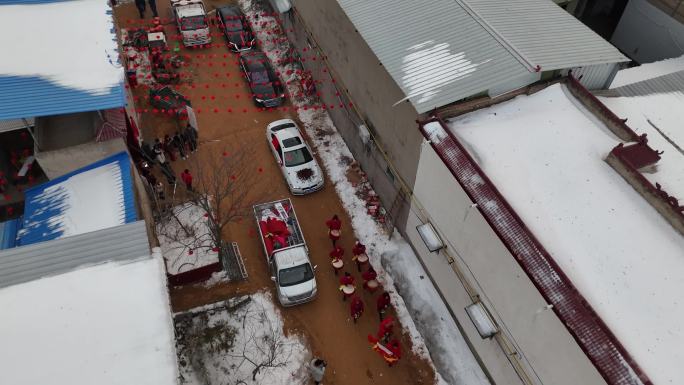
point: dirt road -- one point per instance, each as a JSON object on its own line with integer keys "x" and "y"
{"x": 325, "y": 322}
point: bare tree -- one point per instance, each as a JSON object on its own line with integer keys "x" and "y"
{"x": 225, "y": 187}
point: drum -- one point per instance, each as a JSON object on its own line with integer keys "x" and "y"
{"x": 363, "y": 258}
{"x": 337, "y": 263}
{"x": 348, "y": 289}
{"x": 372, "y": 284}
{"x": 334, "y": 233}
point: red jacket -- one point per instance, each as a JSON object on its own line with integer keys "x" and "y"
{"x": 356, "y": 306}
{"x": 359, "y": 249}
{"x": 369, "y": 275}
{"x": 395, "y": 348}
{"x": 385, "y": 327}
{"x": 334, "y": 224}
{"x": 186, "y": 177}
{"x": 346, "y": 280}
{"x": 337, "y": 252}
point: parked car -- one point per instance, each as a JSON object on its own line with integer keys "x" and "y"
{"x": 267, "y": 90}
{"x": 286, "y": 252}
{"x": 192, "y": 22}
{"x": 235, "y": 27}
{"x": 298, "y": 165}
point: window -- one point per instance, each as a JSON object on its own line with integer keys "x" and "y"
{"x": 291, "y": 142}
{"x": 193, "y": 22}
{"x": 260, "y": 77}
{"x": 295, "y": 275}
{"x": 297, "y": 157}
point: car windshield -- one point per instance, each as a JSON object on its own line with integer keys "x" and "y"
{"x": 193, "y": 22}
{"x": 233, "y": 24}
{"x": 291, "y": 142}
{"x": 260, "y": 77}
{"x": 295, "y": 275}
{"x": 297, "y": 157}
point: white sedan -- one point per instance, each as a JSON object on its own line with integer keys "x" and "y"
{"x": 299, "y": 167}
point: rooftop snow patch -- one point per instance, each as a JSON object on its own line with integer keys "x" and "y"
{"x": 545, "y": 154}
{"x": 647, "y": 71}
{"x": 95, "y": 197}
{"x": 108, "y": 324}
{"x": 660, "y": 116}
{"x": 68, "y": 58}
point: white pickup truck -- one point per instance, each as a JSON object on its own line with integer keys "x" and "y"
{"x": 286, "y": 252}
{"x": 192, "y": 22}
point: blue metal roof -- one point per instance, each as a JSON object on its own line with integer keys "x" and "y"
{"x": 31, "y": 96}
{"x": 8, "y": 233}
{"x": 42, "y": 212}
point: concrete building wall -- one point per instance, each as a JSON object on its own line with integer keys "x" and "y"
{"x": 545, "y": 350}
{"x": 647, "y": 34}
{"x": 356, "y": 69}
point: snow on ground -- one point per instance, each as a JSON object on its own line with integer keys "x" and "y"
{"x": 69, "y": 43}
{"x": 224, "y": 343}
{"x": 660, "y": 116}
{"x": 545, "y": 154}
{"x": 647, "y": 71}
{"x": 88, "y": 201}
{"x": 419, "y": 298}
{"x": 108, "y": 324}
{"x": 185, "y": 239}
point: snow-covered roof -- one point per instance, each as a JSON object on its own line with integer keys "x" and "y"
{"x": 545, "y": 153}
{"x": 647, "y": 71}
{"x": 92, "y": 198}
{"x": 660, "y": 116}
{"x": 441, "y": 51}
{"x": 108, "y": 324}
{"x": 67, "y": 61}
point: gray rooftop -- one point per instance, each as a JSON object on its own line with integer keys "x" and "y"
{"x": 27, "y": 263}
{"x": 670, "y": 83}
{"x": 441, "y": 51}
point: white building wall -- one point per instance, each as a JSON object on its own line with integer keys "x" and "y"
{"x": 545, "y": 348}
{"x": 647, "y": 34}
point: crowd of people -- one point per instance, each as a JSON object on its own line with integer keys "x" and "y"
{"x": 384, "y": 341}
{"x": 173, "y": 147}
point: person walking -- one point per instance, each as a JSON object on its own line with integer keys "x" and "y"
{"x": 168, "y": 148}
{"x": 359, "y": 255}
{"x": 334, "y": 228}
{"x": 385, "y": 329}
{"x": 140, "y": 4}
{"x": 356, "y": 308}
{"x": 347, "y": 285}
{"x": 383, "y": 304}
{"x": 191, "y": 134}
{"x": 336, "y": 258}
{"x": 370, "y": 282}
{"x": 186, "y": 177}
{"x": 159, "y": 152}
{"x": 179, "y": 144}
{"x": 317, "y": 370}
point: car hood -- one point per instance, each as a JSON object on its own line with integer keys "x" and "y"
{"x": 299, "y": 289}
{"x": 297, "y": 183}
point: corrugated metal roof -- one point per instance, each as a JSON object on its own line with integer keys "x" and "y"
{"x": 441, "y": 51}
{"x": 16, "y": 124}
{"x": 545, "y": 34}
{"x": 433, "y": 49}
{"x": 595, "y": 338}
{"x": 121, "y": 243}
{"x": 670, "y": 83}
{"x": 47, "y": 209}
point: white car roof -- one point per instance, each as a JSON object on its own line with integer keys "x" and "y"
{"x": 291, "y": 257}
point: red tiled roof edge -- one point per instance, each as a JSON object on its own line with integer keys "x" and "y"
{"x": 593, "y": 336}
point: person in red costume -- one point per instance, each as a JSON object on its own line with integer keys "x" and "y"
{"x": 356, "y": 308}
{"x": 346, "y": 285}
{"x": 334, "y": 228}
{"x": 385, "y": 329}
{"x": 336, "y": 258}
{"x": 360, "y": 257}
{"x": 383, "y": 304}
{"x": 369, "y": 280}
